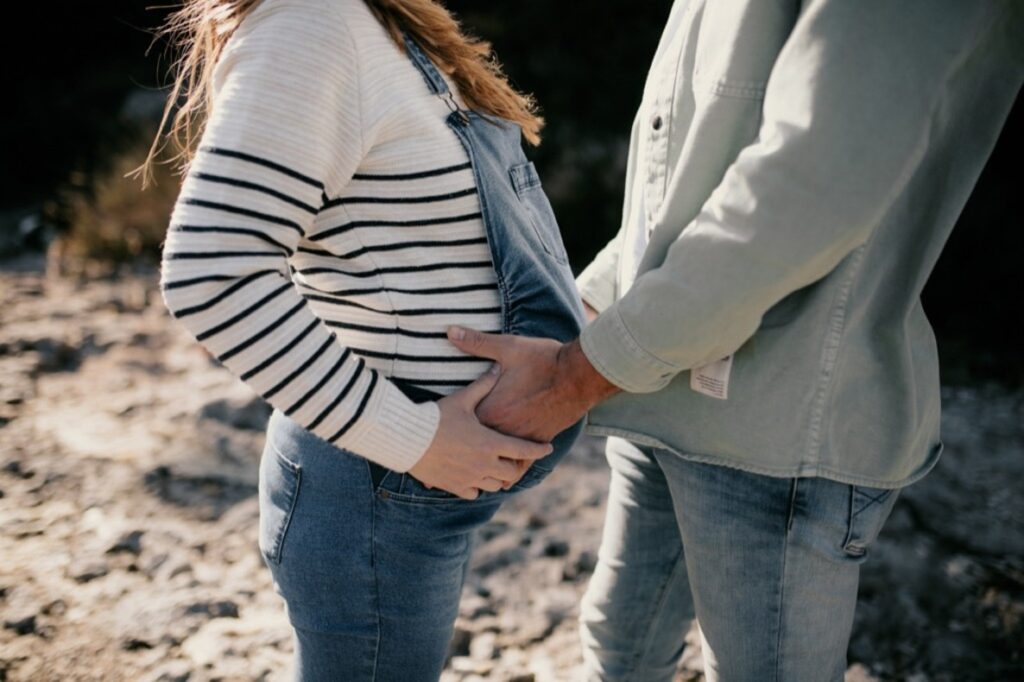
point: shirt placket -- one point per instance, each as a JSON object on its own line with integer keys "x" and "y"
{"x": 658, "y": 126}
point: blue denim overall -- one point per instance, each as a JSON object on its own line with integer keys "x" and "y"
{"x": 369, "y": 561}
{"x": 536, "y": 285}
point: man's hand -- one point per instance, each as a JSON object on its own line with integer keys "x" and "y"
{"x": 590, "y": 311}
{"x": 466, "y": 457}
{"x": 545, "y": 386}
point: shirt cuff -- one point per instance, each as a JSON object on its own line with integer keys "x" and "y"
{"x": 616, "y": 355}
{"x": 394, "y": 431}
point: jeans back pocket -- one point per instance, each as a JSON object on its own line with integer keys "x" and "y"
{"x": 868, "y": 512}
{"x": 279, "y": 481}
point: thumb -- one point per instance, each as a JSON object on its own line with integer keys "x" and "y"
{"x": 471, "y": 395}
{"x": 477, "y": 343}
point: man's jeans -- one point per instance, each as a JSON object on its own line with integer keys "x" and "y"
{"x": 769, "y": 567}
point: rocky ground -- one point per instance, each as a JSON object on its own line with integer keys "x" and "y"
{"x": 128, "y": 522}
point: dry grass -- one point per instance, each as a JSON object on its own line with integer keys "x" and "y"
{"x": 111, "y": 221}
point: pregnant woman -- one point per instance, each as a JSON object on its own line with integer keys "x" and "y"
{"x": 359, "y": 186}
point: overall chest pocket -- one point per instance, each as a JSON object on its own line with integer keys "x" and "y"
{"x": 526, "y": 183}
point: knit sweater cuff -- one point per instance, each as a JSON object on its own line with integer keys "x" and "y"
{"x": 394, "y": 432}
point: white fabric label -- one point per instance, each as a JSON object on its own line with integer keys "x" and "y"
{"x": 712, "y": 379}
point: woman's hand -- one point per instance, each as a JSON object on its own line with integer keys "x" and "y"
{"x": 465, "y": 456}
{"x": 591, "y": 312}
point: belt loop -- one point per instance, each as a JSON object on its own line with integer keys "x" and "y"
{"x": 377, "y": 474}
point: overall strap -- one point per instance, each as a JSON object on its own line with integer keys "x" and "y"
{"x": 435, "y": 81}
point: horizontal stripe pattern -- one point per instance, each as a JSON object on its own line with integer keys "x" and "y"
{"x": 315, "y": 262}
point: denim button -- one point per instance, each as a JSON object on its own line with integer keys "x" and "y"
{"x": 656, "y": 122}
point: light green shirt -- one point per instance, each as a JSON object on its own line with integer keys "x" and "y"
{"x": 794, "y": 171}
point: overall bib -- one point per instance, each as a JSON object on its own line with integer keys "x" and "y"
{"x": 370, "y": 562}
{"x": 535, "y": 283}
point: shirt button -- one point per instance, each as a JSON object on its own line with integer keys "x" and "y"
{"x": 656, "y": 122}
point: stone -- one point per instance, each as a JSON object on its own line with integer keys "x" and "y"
{"x": 555, "y": 547}
{"x": 471, "y": 666}
{"x": 89, "y": 571}
{"x": 214, "y": 609}
{"x": 484, "y": 646}
{"x": 249, "y": 414}
{"x": 129, "y": 542}
{"x": 859, "y": 673}
{"x": 461, "y": 639}
{"x": 582, "y": 565}
{"x": 536, "y": 522}
{"x": 15, "y": 468}
{"x": 135, "y": 644}
{"x": 171, "y": 671}
{"x": 56, "y": 607}
{"x": 22, "y": 626}
{"x": 473, "y": 606}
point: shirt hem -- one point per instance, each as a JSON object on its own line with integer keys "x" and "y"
{"x": 801, "y": 471}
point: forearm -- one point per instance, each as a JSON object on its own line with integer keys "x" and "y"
{"x": 585, "y": 386}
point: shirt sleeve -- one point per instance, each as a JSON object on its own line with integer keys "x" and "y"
{"x": 847, "y": 114}
{"x": 284, "y": 130}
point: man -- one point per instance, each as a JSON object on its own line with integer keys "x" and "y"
{"x": 761, "y": 359}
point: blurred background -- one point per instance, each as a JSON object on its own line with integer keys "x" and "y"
{"x": 127, "y": 457}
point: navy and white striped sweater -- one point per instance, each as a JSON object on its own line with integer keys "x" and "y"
{"x": 329, "y": 230}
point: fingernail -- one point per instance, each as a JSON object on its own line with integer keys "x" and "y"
{"x": 456, "y": 333}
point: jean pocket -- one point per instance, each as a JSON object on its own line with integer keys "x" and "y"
{"x": 279, "y": 481}
{"x": 869, "y": 509}
{"x": 526, "y": 182}
{"x": 406, "y": 488}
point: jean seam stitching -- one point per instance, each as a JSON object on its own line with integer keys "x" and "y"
{"x": 376, "y": 581}
{"x": 288, "y": 519}
{"x": 781, "y": 607}
{"x": 296, "y": 470}
{"x": 663, "y": 593}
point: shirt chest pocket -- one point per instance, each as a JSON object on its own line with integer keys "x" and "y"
{"x": 738, "y": 43}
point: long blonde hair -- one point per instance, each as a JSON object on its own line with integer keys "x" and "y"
{"x": 199, "y": 29}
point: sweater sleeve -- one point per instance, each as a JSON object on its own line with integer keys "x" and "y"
{"x": 284, "y": 130}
